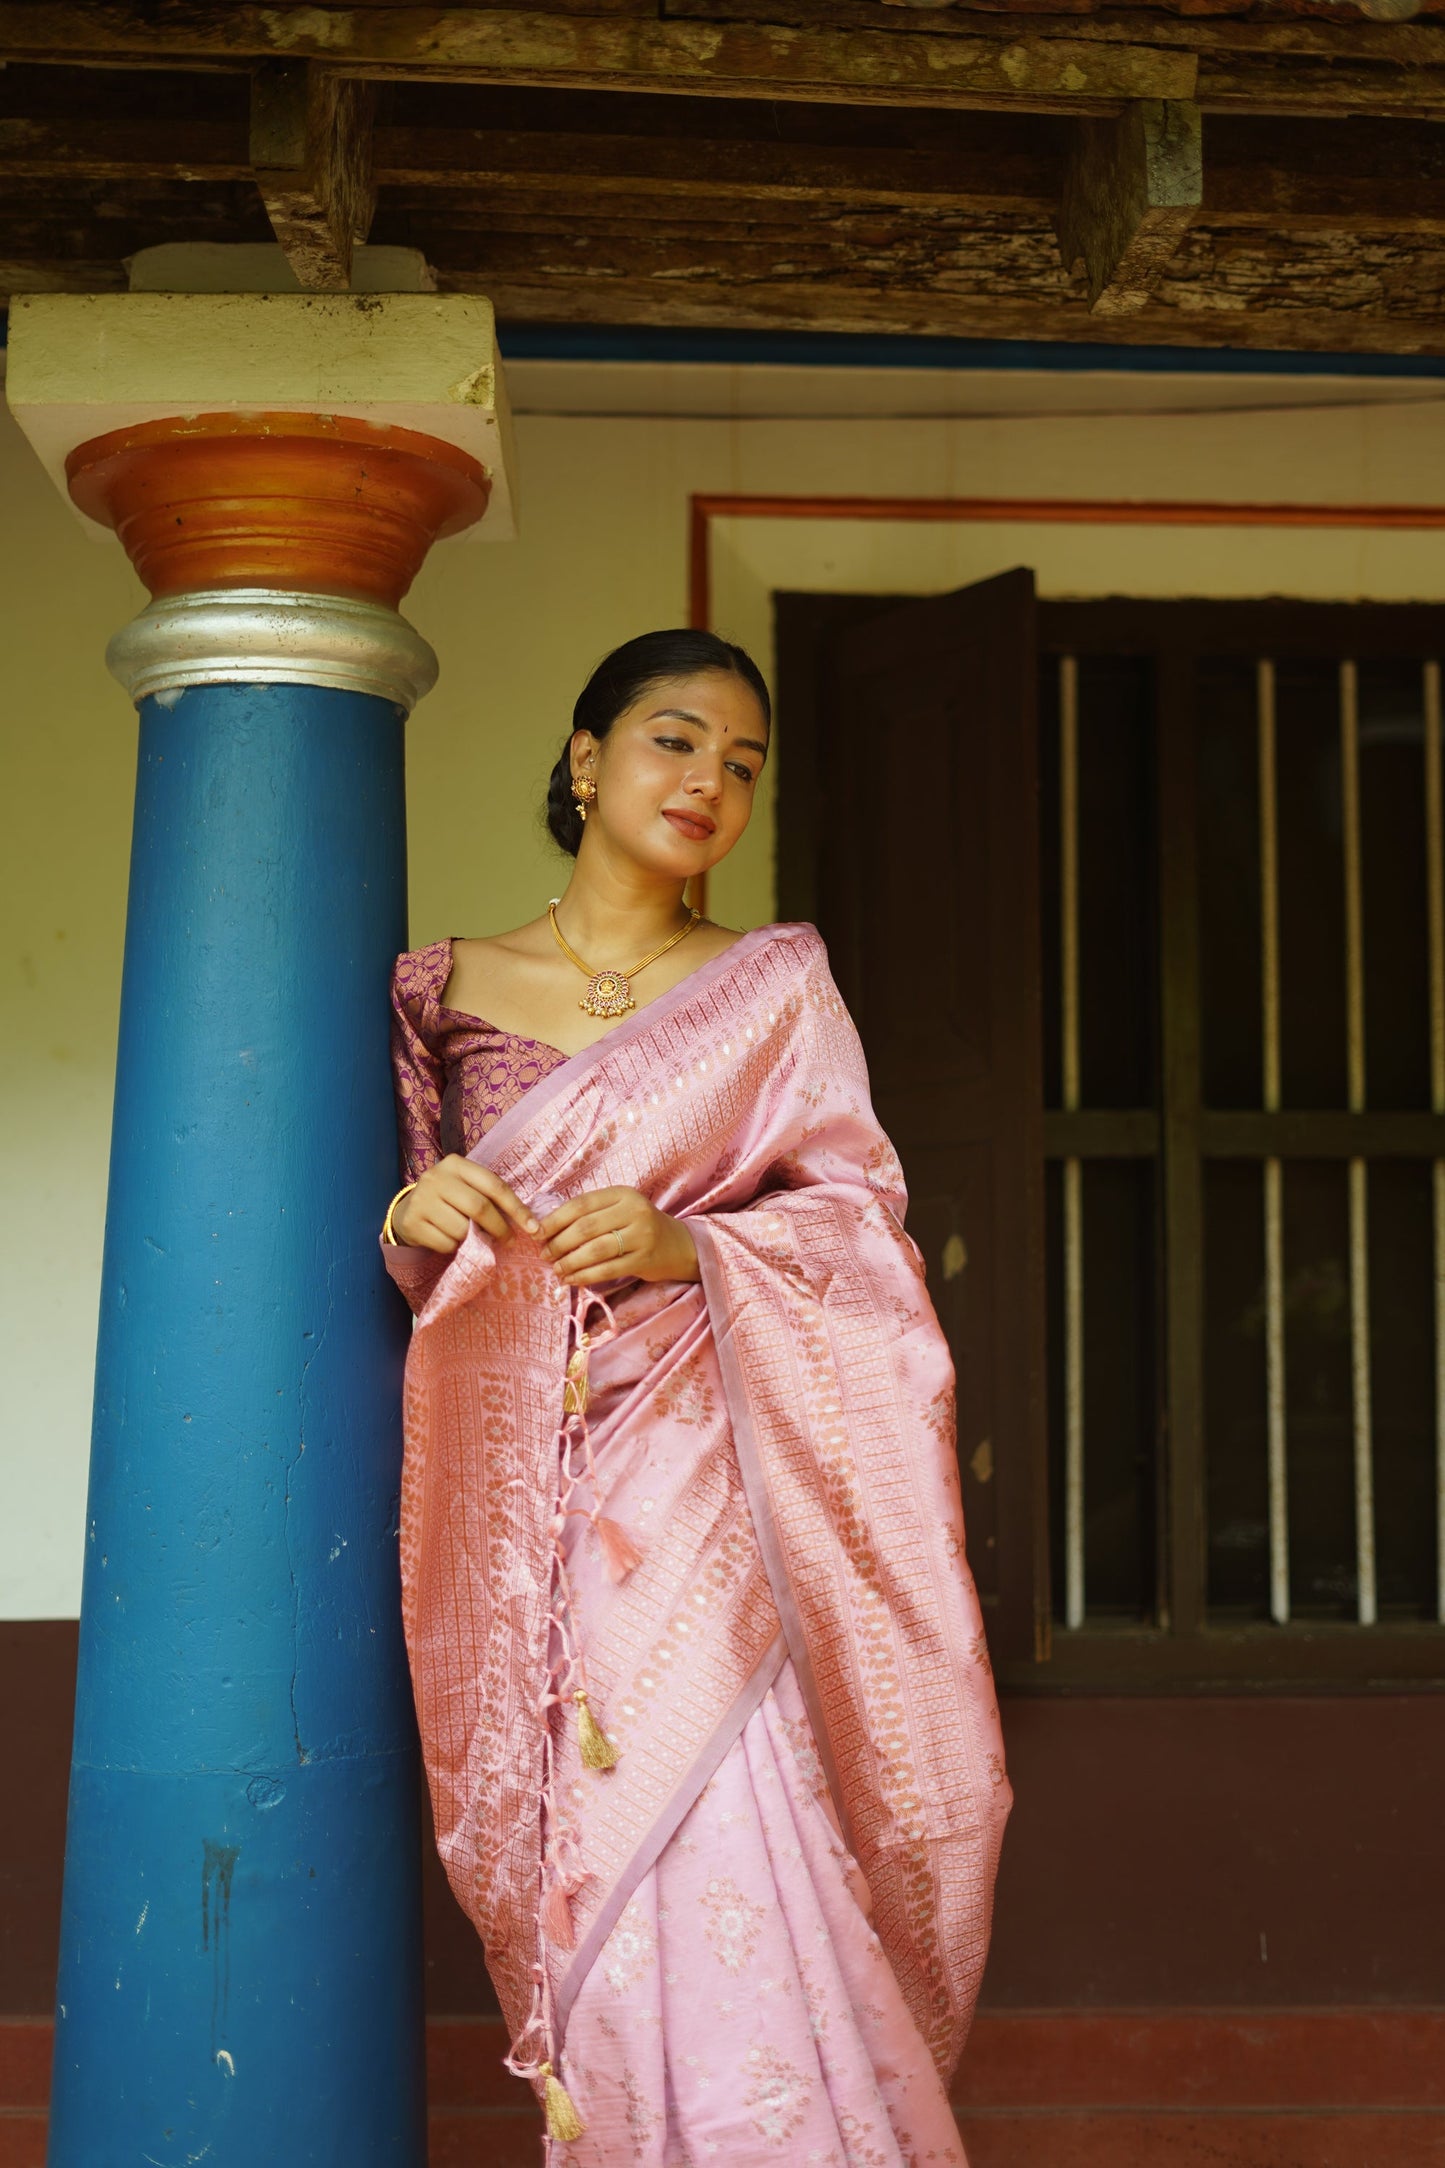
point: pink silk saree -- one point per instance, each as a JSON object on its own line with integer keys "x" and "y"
{"x": 747, "y": 1550}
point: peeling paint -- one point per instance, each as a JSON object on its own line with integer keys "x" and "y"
{"x": 478, "y": 389}
{"x": 218, "y": 1873}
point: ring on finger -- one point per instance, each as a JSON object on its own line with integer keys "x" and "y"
{"x": 621, "y": 1245}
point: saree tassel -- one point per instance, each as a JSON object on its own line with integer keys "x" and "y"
{"x": 574, "y": 1388}
{"x": 563, "y": 2121}
{"x": 557, "y": 1917}
{"x": 593, "y": 1744}
{"x": 619, "y": 1548}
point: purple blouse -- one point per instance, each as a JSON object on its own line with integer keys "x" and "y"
{"x": 455, "y": 1074}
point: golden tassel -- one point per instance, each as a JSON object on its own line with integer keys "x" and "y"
{"x": 563, "y": 2121}
{"x": 593, "y": 1744}
{"x": 574, "y": 1390}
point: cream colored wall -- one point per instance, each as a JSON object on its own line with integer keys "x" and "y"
{"x": 69, "y": 740}
{"x": 602, "y": 554}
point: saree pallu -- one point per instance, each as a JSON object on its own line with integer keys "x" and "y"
{"x": 728, "y": 1515}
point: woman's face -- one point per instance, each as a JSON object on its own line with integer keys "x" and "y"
{"x": 676, "y": 773}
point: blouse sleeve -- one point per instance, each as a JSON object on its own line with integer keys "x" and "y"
{"x": 417, "y": 1074}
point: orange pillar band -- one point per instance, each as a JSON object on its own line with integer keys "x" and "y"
{"x": 306, "y": 503}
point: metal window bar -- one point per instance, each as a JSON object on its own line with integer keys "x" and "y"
{"x": 1279, "y": 1597}
{"x": 1359, "y": 1173}
{"x": 1073, "y": 1188}
{"x": 1435, "y": 893}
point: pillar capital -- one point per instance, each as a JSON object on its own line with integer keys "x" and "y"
{"x": 276, "y": 465}
{"x": 321, "y": 504}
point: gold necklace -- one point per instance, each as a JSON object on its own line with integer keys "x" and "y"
{"x": 609, "y": 993}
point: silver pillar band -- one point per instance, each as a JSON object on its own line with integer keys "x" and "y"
{"x": 271, "y": 636}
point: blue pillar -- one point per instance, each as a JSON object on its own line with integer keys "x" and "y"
{"x": 240, "y": 1966}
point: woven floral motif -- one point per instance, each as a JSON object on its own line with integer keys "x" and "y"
{"x": 686, "y": 1396}
{"x": 631, "y": 1946}
{"x": 777, "y": 2095}
{"x": 731, "y": 1922}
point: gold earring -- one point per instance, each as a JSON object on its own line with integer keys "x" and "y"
{"x": 584, "y": 790}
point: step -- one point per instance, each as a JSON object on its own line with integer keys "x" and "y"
{"x": 1110, "y": 2089}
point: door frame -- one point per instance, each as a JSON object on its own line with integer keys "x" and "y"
{"x": 705, "y": 508}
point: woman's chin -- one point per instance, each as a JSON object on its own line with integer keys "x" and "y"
{"x": 677, "y": 858}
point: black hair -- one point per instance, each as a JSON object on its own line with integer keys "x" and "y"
{"x": 624, "y": 676}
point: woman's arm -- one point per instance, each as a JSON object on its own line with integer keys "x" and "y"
{"x": 417, "y": 1076}
{"x": 445, "y": 1191}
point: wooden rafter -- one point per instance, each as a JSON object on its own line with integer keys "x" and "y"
{"x": 310, "y": 150}
{"x": 1134, "y": 187}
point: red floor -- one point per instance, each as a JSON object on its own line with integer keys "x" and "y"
{"x": 1325, "y": 2089}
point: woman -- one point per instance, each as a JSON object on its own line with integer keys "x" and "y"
{"x": 703, "y": 1693}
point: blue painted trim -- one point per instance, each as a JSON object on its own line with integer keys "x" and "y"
{"x": 240, "y": 1966}
{"x": 868, "y": 350}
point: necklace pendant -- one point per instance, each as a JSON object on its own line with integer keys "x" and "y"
{"x": 608, "y": 994}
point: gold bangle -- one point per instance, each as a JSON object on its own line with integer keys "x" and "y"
{"x": 387, "y": 1235}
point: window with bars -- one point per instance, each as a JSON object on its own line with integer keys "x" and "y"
{"x": 1243, "y": 913}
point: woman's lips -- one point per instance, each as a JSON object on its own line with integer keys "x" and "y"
{"x": 696, "y": 830}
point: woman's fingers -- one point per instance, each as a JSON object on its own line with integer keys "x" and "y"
{"x": 433, "y": 1224}
{"x": 601, "y": 1259}
{"x": 593, "y": 1202}
{"x": 565, "y": 1247}
{"x": 455, "y": 1193}
{"x": 490, "y": 1189}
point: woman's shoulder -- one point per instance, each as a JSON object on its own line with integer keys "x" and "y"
{"x": 796, "y": 941}
{"x": 418, "y": 977}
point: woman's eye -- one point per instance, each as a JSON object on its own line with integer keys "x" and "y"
{"x": 675, "y": 745}
{"x": 739, "y": 768}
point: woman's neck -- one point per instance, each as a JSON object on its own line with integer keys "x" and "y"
{"x": 605, "y": 908}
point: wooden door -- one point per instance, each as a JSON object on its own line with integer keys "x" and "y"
{"x": 927, "y": 894}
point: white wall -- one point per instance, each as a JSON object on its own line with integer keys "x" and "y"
{"x": 602, "y": 555}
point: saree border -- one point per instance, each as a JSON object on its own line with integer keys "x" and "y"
{"x": 534, "y": 1102}
{"x": 666, "y": 1825}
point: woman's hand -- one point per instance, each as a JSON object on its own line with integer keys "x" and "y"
{"x": 434, "y": 1215}
{"x": 615, "y": 1234}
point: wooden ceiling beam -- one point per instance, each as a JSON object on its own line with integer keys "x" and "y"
{"x": 721, "y": 301}
{"x": 1367, "y": 178}
{"x": 1133, "y": 188}
{"x": 725, "y": 302}
{"x": 1284, "y": 84}
{"x": 983, "y": 60}
{"x": 547, "y": 258}
{"x": 124, "y": 150}
{"x": 1419, "y": 43}
{"x": 310, "y": 150}
{"x": 485, "y": 159}
{"x": 492, "y": 45}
